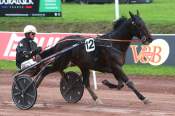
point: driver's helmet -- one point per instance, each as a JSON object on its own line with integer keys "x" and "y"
{"x": 30, "y": 29}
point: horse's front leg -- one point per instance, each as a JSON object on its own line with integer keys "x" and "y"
{"x": 86, "y": 82}
{"x": 116, "y": 58}
{"x": 120, "y": 82}
{"x": 121, "y": 75}
{"x": 118, "y": 86}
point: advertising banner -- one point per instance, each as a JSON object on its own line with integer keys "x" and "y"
{"x": 160, "y": 51}
{"x": 30, "y": 8}
{"x": 49, "y": 5}
{"x": 9, "y": 41}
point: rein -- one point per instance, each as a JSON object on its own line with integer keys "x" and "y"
{"x": 112, "y": 40}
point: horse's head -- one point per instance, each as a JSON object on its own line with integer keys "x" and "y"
{"x": 140, "y": 29}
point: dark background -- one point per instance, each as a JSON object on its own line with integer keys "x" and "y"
{"x": 109, "y": 1}
{"x": 20, "y": 8}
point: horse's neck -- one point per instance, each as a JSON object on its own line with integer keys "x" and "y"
{"x": 47, "y": 52}
{"x": 123, "y": 33}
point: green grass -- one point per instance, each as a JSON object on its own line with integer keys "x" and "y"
{"x": 162, "y": 70}
{"x": 160, "y": 14}
{"x": 7, "y": 65}
{"x": 133, "y": 69}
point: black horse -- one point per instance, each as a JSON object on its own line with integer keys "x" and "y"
{"x": 109, "y": 54}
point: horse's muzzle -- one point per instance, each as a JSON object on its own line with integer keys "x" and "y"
{"x": 146, "y": 41}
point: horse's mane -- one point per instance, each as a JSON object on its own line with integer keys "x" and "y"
{"x": 116, "y": 24}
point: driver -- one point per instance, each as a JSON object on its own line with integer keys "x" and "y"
{"x": 27, "y": 51}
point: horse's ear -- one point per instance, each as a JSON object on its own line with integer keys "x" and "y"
{"x": 131, "y": 14}
{"x": 138, "y": 14}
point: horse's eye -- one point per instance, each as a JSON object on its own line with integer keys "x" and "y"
{"x": 133, "y": 22}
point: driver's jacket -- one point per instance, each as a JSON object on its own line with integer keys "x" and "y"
{"x": 25, "y": 50}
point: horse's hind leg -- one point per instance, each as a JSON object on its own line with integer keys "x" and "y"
{"x": 86, "y": 82}
{"x": 120, "y": 74}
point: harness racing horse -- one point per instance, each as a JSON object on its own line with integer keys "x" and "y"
{"x": 109, "y": 53}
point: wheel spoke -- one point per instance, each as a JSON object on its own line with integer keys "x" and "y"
{"x": 18, "y": 93}
{"x": 28, "y": 94}
{"x": 18, "y": 85}
{"x": 28, "y": 86}
{"x": 21, "y": 84}
{"x": 18, "y": 101}
{"x": 23, "y": 101}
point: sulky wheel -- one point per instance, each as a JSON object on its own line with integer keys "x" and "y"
{"x": 71, "y": 87}
{"x": 24, "y": 92}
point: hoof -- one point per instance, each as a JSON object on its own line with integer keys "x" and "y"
{"x": 98, "y": 101}
{"x": 146, "y": 101}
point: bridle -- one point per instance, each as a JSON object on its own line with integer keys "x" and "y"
{"x": 142, "y": 32}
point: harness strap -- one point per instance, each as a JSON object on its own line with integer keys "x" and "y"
{"x": 112, "y": 40}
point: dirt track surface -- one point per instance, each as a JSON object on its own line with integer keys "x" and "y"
{"x": 161, "y": 92}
